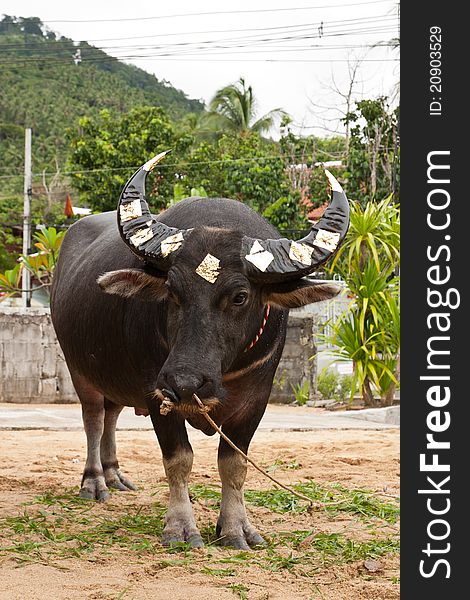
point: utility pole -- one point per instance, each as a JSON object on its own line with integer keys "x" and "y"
{"x": 26, "y": 277}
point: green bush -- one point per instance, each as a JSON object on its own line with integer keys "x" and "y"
{"x": 327, "y": 383}
{"x": 333, "y": 386}
{"x": 301, "y": 392}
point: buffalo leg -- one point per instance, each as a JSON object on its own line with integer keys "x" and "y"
{"x": 93, "y": 413}
{"x": 99, "y": 420}
{"x": 233, "y": 526}
{"x": 112, "y": 475}
{"x": 180, "y": 525}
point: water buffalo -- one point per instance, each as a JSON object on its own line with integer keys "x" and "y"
{"x": 192, "y": 301}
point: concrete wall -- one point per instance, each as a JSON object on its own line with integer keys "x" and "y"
{"x": 32, "y": 366}
{"x": 297, "y": 364}
{"x": 33, "y": 369}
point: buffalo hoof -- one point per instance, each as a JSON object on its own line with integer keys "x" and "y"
{"x": 244, "y": 537}
{"x": 94, "y": 488}
{"x": 116, "y": 480}
{"x": 194, "y": 541}
{"x": 173, "y": 538}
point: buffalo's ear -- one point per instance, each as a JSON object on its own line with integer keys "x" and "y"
{"x": 298, "y": 292}
{"x": 133, "y": 283}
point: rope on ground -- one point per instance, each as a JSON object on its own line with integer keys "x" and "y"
{"x": 252, "y": 462}
{"x": 166, "y": 406}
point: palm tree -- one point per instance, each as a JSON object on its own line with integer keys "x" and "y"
{"x": 233, "y": 108}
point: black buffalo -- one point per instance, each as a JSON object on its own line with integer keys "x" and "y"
{"x": 192, "y": 301}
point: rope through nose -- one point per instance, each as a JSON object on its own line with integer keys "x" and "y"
{"x": 167, "y": 405}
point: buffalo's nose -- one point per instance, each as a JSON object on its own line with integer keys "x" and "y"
{"x": 184, "y": 385}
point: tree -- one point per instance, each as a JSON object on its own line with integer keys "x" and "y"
{"x": 373, "y": 159}
{"x": 106, "y": 150}
{"x": 345, "y": 102}
{"x": 250, "y": 169}
{"x": 233, "y": 108}
{"x": 300, "y": 155}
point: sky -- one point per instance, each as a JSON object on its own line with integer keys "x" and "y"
{"x": 296, "y": 55}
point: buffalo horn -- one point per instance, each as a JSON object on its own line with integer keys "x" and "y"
{"x": 277, "y": 260}
{"x": 147, "y": 237}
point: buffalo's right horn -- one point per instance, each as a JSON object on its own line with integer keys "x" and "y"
{"x": 147, "y": 237}
{"x": 281, "y": 259}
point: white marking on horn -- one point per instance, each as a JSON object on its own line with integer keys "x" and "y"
{"x": 335, "y": 186}
{"x": 172, "y": 243}
{"x": 327, "y": 240}
{"x": 141, "y": 236}
{"x": 301, "y": 253}
{"x": 257, "y": 247}
{"x": 130, "y": 211}
{"x": 150, "y": 164}
{"x": 209, "y": 268}
{"x": 259, "y": 257}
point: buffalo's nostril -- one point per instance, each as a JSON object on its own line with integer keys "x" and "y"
{"x": 170, "y": 394}
{"x": 183, "y": 385}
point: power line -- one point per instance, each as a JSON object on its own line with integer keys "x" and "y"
{"x": 161, "y": 52}
{"x": 183, "y": 163}
{"x": 219, "y": 12}
{"x": 72, "y": 44}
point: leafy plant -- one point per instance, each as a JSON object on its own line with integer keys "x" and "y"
{"x": 10, "y": 282}
{"x": 327, "y": 382}
{"x": 41, "y": 264}
{"x": 343, "y": 391}
{"x": 373, "y": 168}
{"x": 369, "y": 332}
{"x": 301, "y": 392}
{"x": 331, "y": 385}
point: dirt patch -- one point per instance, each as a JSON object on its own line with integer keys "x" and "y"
{"x": 55, "y": 546}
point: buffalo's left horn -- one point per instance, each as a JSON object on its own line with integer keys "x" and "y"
{"x": 147, "y": 237}
{"x": 277, "y": 260}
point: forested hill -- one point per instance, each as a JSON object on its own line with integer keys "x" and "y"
{"x": 47, "y": 82}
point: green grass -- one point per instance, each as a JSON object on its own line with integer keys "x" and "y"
{"x": 217, "y": 572}
{"x": 60, "y": 526}
{"x": 279, "y": 463}
{"x": 68, "y": 528}
{"x": 342, "y": 548}
{"x": 286, "y": 552}
{"x": 209, "y": 494}
{"x": 239, "y": 590}
{"x": 334, "y": 499}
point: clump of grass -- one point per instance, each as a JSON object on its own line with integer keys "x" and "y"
{"x": 334, "y": 499}
{"x": 209, "y": 534}
{"x": 275, "y": 561}
{"x": 345, "y": 549}
{"x": 279, "y": 463}
{"x": 312, "y": 552}
{"x": 306, "y": 554}
{"x": 239, "y": 590}
{"x": 69, "y": 500}
{"x": 43, "y": 534}
{"x": 211, "y": 495}
{"x": 218, "y": 572}
{"x": 59, "y": 526}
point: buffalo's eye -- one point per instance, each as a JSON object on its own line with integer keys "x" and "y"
{"x": 240, "y": 298}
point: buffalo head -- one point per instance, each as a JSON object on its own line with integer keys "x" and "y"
{"x": 216, "y": 283}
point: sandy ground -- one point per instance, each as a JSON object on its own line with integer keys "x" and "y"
{"x": 36, "y": 463}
